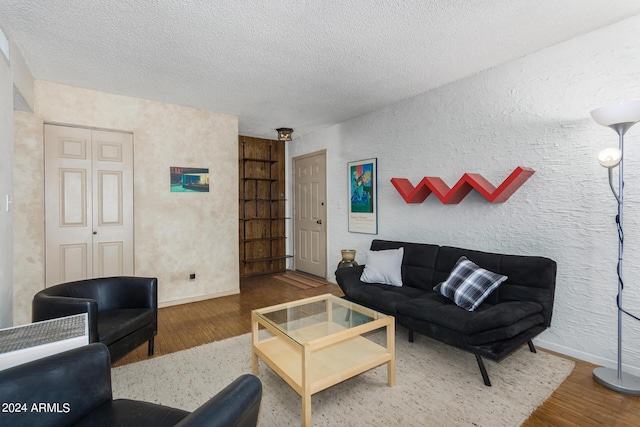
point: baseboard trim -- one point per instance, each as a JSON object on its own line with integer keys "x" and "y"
{"x": 587, "y": 357}
{"x": 197, "y": 299}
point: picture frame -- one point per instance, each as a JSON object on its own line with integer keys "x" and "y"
{"x": 363, "y": 197}
{"x": 189, "y": 180}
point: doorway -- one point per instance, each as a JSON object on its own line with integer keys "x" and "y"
{"x": 309, "y": 213}
{"x": 88, "y": 203}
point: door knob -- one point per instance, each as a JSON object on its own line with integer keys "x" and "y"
{"x": 319, "y": 221}
{"x": 95, "y": 232}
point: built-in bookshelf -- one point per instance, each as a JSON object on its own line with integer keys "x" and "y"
{"x": 262, "y": 206}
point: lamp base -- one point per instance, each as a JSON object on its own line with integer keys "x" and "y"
{"x": 627, "y": 384}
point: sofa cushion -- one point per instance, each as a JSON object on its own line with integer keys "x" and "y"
{"x": 382, "y": 298}
{"x": 439, "y": 310}
{"x": 115, "y": 324}
{"x": 468, "y": 285}
{"x": 384, "y": 267}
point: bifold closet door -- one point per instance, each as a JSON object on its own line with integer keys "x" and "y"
{"x": 88, "y": 203}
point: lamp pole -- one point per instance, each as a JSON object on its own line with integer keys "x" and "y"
{"x": 619, "y": 117}
{"x": 620, "y": 248}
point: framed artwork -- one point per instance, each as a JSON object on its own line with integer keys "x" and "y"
{"x": 363, "y": 199}
{"x": 188, "y": 180}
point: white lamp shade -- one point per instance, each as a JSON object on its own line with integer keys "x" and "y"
{"x": 609, "y": 157}
{"x": 625, "y": 112}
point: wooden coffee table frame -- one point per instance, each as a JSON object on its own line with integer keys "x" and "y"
{"x": 314, "y": 365}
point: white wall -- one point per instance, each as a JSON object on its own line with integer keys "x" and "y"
{"x": 175, "y": 233}
{"x": 15, "y": 78}
{"x": 531, "y": 112}
{"x": 22, "y": 80}
{"x": 6, "y": 179}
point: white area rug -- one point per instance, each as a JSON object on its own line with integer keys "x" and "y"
{"x": 436, "y": 385}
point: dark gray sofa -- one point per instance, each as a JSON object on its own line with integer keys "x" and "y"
{"x": 517, "y": 311}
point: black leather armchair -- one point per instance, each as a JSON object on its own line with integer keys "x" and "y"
{"x": 74, "y": 389}
{"x": 122, "y": 311}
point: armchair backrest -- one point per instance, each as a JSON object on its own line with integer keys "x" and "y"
{"x": 72, "y": 383}
{"x": 111, "y": 292}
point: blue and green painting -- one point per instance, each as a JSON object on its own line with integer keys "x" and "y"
{"x": 362, "y": 188}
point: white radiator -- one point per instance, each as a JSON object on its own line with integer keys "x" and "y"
{"x": 24, "y": 343}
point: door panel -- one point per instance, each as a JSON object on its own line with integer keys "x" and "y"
{"x": 73, "y": 262}
{"x": 112, "y": 203}
{"x": 109, "y": 198}
{"x": 109, "y": 259}
{"x": 88, "y": 203}
{"x": 310, "y": 212}
{"x": 73, "y": 198}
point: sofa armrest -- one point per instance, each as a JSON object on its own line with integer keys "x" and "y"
{"x": 45, "y": 307}
{"x": 348, "y": 278}
{"x": 237, "y": 405}
{"x": 72, "y": 384}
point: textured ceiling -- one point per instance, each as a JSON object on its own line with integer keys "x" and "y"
{"x": 305, "y": 64}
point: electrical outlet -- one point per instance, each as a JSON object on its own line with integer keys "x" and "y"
{"x": 192, "y": 276}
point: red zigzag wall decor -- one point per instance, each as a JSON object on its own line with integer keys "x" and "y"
{"x": 468, "y": 182}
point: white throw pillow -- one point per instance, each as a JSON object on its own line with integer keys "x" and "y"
{"x": 384, "y": 267}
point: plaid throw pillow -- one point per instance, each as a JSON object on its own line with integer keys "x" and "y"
{"x": 468, "y": 285}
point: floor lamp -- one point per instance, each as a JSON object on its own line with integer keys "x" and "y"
{"x": 619, "y": 117}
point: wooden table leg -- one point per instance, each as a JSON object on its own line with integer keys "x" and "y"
{"x": 254, "y": 363}
{"x": 306, "y": 410}
{"x": 306, "y": 387}
{"x": 254, "y": 341}
{"x": 391, "y": 346}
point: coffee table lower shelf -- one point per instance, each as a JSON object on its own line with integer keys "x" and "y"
{"x": 331, "y": 365}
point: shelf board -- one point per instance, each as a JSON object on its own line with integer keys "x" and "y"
{"x": 259, "y": 179}
{"x": 268, "y": 258}
{"x": 263, "y": 219}
{"x": 259, "y": 239}
{"x": 253, "y": 159}
{"x": 263, "y": 200}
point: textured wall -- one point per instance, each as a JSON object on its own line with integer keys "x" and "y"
{"x": 532, "y": 112}
{"x": 22, "y": 79}
{"x": 6, "y": 178}
{"x": 175, "y": 233}
{"x": 28, "y": 226}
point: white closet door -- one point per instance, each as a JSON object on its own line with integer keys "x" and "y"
{"x": 89, "y": 203}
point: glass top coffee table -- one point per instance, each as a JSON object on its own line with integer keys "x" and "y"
{"x": 317, "y": 342}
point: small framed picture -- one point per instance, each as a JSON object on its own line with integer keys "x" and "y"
{"x": 188, "y": 180}
{"x": 363, "y": 200}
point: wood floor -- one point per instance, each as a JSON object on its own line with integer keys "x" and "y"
{"x": 579, "y": 401}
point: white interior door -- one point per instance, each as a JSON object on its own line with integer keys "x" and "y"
{"x": 309, "y": 205}
{"x": 88, "y": 203}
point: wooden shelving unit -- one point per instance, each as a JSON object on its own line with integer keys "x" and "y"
{"x": 262, "y": 226}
